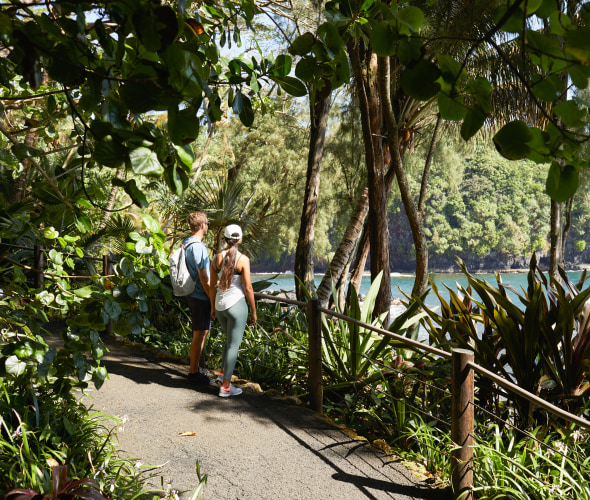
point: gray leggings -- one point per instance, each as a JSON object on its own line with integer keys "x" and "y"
{"x": 233, "y": 321}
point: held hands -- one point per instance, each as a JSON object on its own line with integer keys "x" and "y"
{"x": 213, "y": 315}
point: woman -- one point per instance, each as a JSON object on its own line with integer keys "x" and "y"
{"x": 231, "y": 293}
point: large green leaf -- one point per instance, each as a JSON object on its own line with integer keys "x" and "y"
{"x": 577, "y": 44}
{"x": 571, "y": 113}
{"x": 306, "y": 69}
{"x": 333, "y": 42}
{"x": 302, "y": 44}
{"x": 511, "y": 140}
{"x": 246, "y": 113}
{"x": 183, "y": 125}
{"x": 451, "y": 108}
{"x": 474, "y": 120}
{"x": 185, "y": 154}
{"x": 410, "y": 19}
{"x": 383, "y": 39}
{"x": 144, "y": 161}
{"x": 549, "y": 88}
{"x": 562, "y": 183}
{"x": 282, "y": 65}
{"x": 341, "y": 74}
{"x": 291, "y": 85}
{"x": 110, "y": 151}
{"x": 63, "y": 66}
{"x": 136, "y": 194}
{"x": 420, "y": 82}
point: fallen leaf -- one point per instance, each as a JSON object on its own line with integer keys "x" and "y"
{"x": 186, "y": 433}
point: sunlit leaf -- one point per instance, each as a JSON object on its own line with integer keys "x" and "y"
{"x": 144, "y": 161}
{"x": 15, "y": 366}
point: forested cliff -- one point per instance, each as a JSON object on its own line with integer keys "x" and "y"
{"x": 491, "y": 212}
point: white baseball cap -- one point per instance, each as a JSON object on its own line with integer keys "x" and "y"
{"x": 233, "y": 232}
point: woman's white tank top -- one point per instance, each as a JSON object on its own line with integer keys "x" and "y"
{"x": 225, "y": 299}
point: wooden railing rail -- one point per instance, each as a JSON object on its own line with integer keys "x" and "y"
{"x": 462, "y": 388}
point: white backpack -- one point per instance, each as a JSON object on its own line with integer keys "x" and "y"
{"x": 182, "y": 282}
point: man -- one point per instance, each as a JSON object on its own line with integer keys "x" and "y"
{"x": 197, "y": 262}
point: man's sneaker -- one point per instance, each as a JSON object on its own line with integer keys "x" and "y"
{"x": 198, "y": 378}
{"x": 230, "y": 391}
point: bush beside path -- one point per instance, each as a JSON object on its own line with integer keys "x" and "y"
{"x": 251, "y": 447}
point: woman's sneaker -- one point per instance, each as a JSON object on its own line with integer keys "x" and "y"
{"x": 230, "y": 391}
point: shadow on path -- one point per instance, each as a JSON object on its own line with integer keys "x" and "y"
{"x": 251, "y": 447}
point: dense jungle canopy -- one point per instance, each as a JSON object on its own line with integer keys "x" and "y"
{"x": 337, "y": 134}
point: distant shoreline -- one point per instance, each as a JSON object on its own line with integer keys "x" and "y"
{"x": 411, "y": 275}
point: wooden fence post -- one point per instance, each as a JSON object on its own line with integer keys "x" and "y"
{"x": 38, "y": 263}
{"x": 314, "y": 332}
{"x": 462, "y": 425}
{"x": 107, "y": 271}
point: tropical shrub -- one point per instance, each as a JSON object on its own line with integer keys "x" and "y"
{"x": 541, "y": 343}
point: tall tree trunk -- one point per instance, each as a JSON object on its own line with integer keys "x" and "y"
{"x": 569, "y": 205}
{"x": 319, "y": 110}
{"x": 415, "y": 217}
{"x": 360, "y": 260}
{"x": 374, "y": 157}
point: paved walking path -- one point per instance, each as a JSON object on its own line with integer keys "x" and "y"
{"x": 251, "y": 447}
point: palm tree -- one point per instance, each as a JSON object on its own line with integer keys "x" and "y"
{"x": 224, "y": 202}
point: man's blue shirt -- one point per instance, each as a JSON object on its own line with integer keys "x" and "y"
{"x": 196, "y": 258}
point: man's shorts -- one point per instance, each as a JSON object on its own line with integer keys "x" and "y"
{"x": 200, "y": 313}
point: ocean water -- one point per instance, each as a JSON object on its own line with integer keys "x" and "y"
{"x": 404, "y": 282}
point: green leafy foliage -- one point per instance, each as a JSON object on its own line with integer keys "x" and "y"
{"x": 44, "y": 431}
{"x": 541, "y": 344}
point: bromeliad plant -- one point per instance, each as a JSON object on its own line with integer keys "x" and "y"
{"x": 350, "y": 350}
{"x": 541, "y": 344}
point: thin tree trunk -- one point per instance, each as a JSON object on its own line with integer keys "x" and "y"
{"x": 319, "y": 110}
{"x": 569, "y": 204}
{"x": 415, "y": 217}
{"x": 555, "y": 257}
{"x": 360, "y": 261}
{"x": 341, "y": 260}
{"x": 374, "y": 157}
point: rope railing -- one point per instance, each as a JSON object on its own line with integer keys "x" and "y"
{"x": 462, "y": 388}
{"x": 530, "y": 397}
